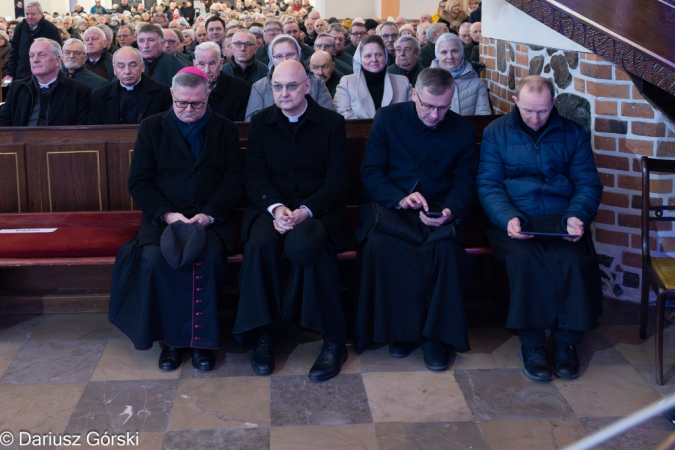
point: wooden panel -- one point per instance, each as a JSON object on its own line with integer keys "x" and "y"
{"x": 13, "y": 196}
{"x": 67, "y": 177}
{"x": 119, "y": 160}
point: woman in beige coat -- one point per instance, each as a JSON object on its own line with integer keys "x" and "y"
{"x": 360, "y": 95}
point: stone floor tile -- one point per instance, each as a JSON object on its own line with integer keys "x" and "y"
{"x": 301, "y": 359}
{"x": 18, "y": 327}
{"x": 626, "y": 341}
{"x": 209, "y": 403}
{"x": 121, "y": 406}
{"x": 531, "y": 434}
{"x": 96, "y": 441}
{"x": 429, "y": 436}
{"x": 120, "y": 361}
{"x": 509, "y": 394}
{"x": 297, "y": 401}
{"x": 490, "y": 348}
{"x": 415, "y": 397}
{"x": 647, "y": 435}
{"x": 8, "y": 351}
{"x": 594, "y": 350}
{"x": 38, "y": 408}
{"x": 648, "y": 372}
{"x": 603, "y": 391}
{"x": 377, "y": 359}
{"x": 236, "y": 439}
{"x": 83, "y": 326}
{"x": 54, "y": 362}
{"x": 317, "y": 437}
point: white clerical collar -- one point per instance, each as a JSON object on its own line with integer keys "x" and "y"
{"x": 46, "y": 86}
{"x": 294, "y": 119}
{"x": 131, "y": 88}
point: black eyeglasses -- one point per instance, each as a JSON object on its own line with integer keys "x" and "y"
{"x": 194, "y": 105}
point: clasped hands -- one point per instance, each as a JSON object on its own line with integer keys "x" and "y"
{"x": 574, "y": 226}
{"x": 285, "y": 219}
{"x": 417, "y": 201}
{"x": 201, "y": 219}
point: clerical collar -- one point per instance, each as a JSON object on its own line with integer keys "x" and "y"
{"x": 47, "y": 85}
{"x": 294, "y": 119}
{"x": 131, "y": 88}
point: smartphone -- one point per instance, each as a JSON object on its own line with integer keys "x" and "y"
{"x": 6, "y": 83}
{"x": 433, "y": 214}
{"x": 538, "y": 233}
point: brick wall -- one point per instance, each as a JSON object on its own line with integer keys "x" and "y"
{"x": 623, "y": 126}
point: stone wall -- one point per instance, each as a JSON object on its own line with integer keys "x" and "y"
{"x": 623, "y": 127}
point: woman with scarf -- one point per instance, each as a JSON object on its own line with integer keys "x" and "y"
{"x": 283, "y": 47}
{"x": 360, "y": 95}
{"x": 471, "y": 96}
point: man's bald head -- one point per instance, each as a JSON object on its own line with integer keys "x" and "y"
{"x": 290, "y": 84}
{"x": 321, "y": 64}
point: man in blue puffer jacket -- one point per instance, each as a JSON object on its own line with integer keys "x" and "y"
{"x": 537, "y": 174}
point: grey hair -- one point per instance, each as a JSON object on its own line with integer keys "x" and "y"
{"x": 95, "y": 30}
{"x": 75, "y": 41}
{"x": 434, "y": 28}
{"x": 208, "y": 46}
{"x": 179, "y": 35}
{"x": 106, "y": 30}
{"x": 415, "y": 42}
{"x": 325, "y": 35}
{"x": 131, "y": 29}
{"x": 56, "y": 48}
{"x": 34, "y": 5}
{"x": 435, "y": 80}
{"x": 189, "y": 80}
{"x": 334, "y": 27}
{"x": 136, "y": 51}
{"x": 248, "y": 33}
{"x": 388, "y": 23}
{"x": 183, "y": 21}
{"x": 148, "y": 28}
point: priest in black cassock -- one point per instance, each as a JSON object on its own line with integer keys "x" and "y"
{"x": 185, "y": 170}
{"x": 418, "y": 175}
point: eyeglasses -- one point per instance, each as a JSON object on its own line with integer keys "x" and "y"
{"x": 170, "y": 41}
{"x": 292, "y": 87}
{"x": 284, "y": 57}
{"x": 272, "y": 30}
{"x": 389, "y": 36}
{"x": 358, "y": 33}
{"x": 404, "y": 50}
{"x": 324, "y": 45}
{"x": 246, "y": 45}
{"x": 427, "y": 107}
{"x": 71, "y": 52}
{"x": 194, "y": 105}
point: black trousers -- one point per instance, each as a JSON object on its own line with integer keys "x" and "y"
{"x": 293, "y": 277}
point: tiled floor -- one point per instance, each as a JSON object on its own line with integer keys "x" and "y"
{"x": 75, "y": 374}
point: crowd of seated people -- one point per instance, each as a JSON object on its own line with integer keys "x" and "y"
{"x": 167, "y": 35}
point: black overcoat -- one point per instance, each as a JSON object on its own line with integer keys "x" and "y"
{"x": 230, "y": 97}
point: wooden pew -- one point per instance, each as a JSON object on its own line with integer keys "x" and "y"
{"x": 74, "y": 179}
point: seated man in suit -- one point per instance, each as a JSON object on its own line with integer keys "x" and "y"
{"x": 229, "y": 95}
{"x": 296, "y": 176}
{"x": 322, "y": 66}
{"x": 242, "y": 64}
{"x": 72, "y": 65}
{"x": 418, "y": 175}
{"x": 159, "y": 66}
{"x": 98, "y": 60}
{"x": 185, "y": 177}
{"x": 132, "y": 96}
{"x": 48, "y": 97}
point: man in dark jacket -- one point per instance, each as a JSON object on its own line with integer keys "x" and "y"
{"x": 159, "y": 66}
{"x": 72, "y": 65}
{"x": 296, "y": 176}
{"x": 428, "y": 52}
{"x": 123, "y": 6}
{"x": 132, "y": 96}
{"x": 418, "y": 176}
{"x": 242, "y": 64}
{"x": 229, "y": 95}
{"x": 48, "y": 97}
{"x": 98, "y": 61}
{"x": 406, "y": 63}
{"x": 322, "y": 65}
{"x": 33, "y": 27}
{"x": 537, "y": 174}
{"x": 185, "y": 168}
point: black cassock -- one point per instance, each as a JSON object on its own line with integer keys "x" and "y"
{"x": 150, "y": 301}
{"x": 412, "y": 276}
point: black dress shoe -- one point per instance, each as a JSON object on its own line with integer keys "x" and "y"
{"x": 262, "y": 360}
{"x": 171, "y": 358}
{"x": 203, "y": 359}
{"x": 566, "y": 360}
{"x": 535, "y": 364}
{"x": 436, "y": 358}
{"x": 401, "y": 349}
{"x": 329, "y": 362}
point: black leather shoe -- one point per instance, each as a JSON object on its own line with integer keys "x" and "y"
{"x": 171, "y": 358}
{"x": 401, "y": 349}
{"x": 566, "y": 360}
{"x": 329, "y": 362}
{"x": 203, "y": 359}
{"x": 262, "y": 360}
{"x": 535, "y": 364}
{"x": 436, "y": 358}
